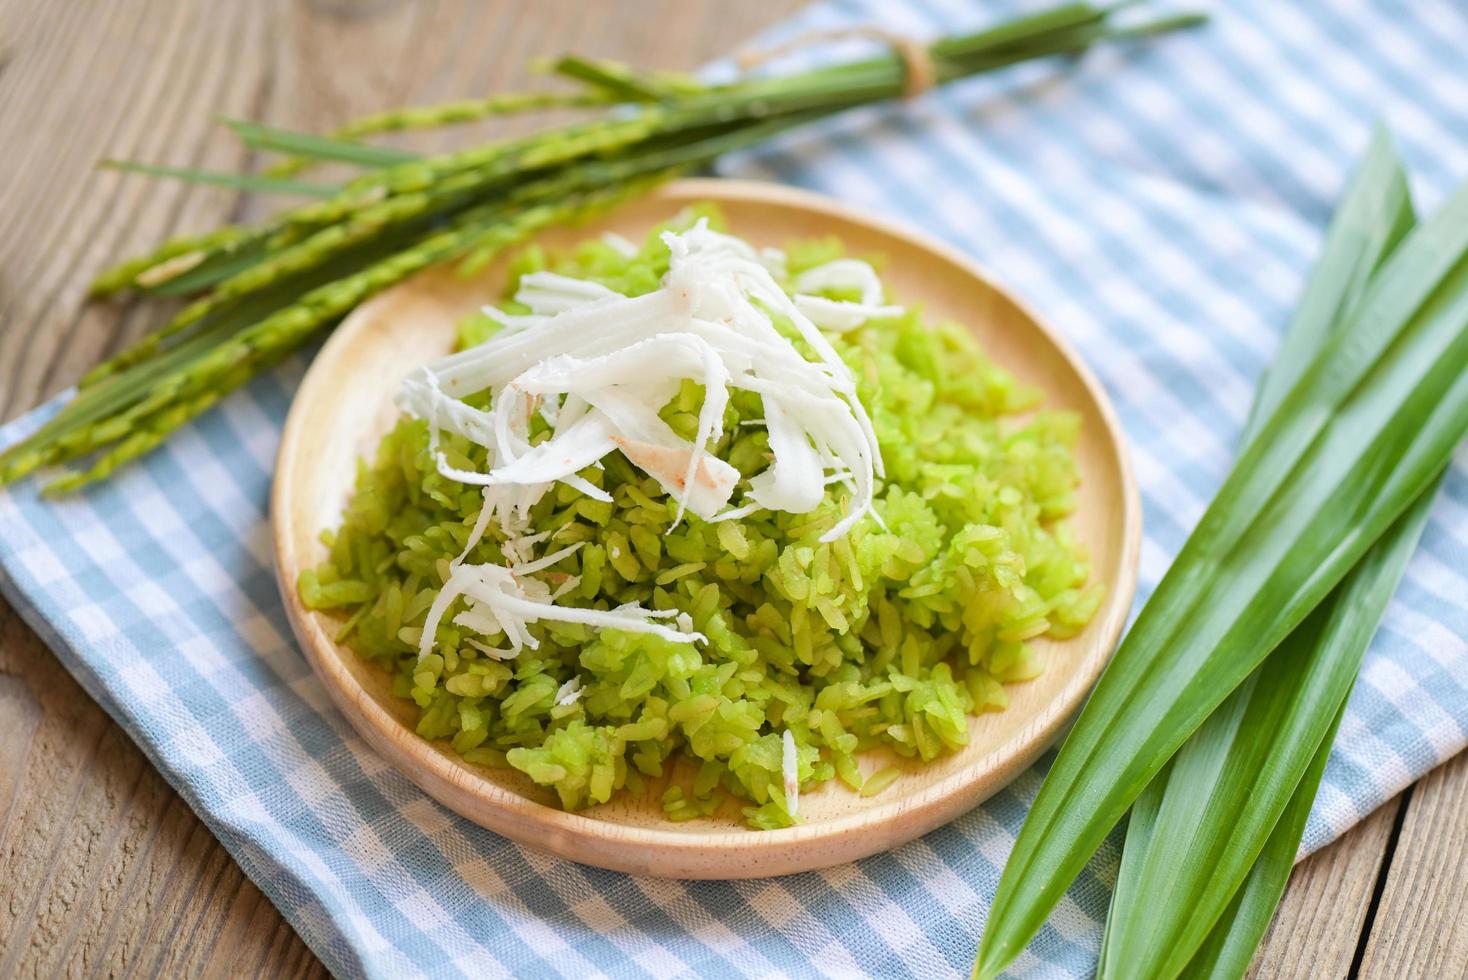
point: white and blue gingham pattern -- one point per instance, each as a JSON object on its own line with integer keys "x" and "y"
{"x": 1159, "y": 202}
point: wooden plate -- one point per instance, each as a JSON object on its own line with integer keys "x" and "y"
{"x": 344, "y": 406}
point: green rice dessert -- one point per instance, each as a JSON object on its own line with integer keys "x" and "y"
{"x": 696, "y": 501}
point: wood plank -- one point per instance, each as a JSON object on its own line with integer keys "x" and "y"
{"x": 1421, "y": 927}
{"x": 1315, "y": 930}
{"x": 107, "y": 871}
{"x": 155, "y": 74}
{"x": 20, "y": 716}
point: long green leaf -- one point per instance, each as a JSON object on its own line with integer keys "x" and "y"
{"x": 240, "y": 182}
{"x": 1231, "y": 945}
{"x": 1358, "y": 438}
{"x": 1223, "y": 795}
{"x": 1141, "y": 825}
{"x": 261, "y": 137}
{"x": 1254, "y": 810}
{"x": 1374, "y": 215}
{"x": 1231, "y": 783}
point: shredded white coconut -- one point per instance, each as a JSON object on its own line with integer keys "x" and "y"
{"x": 493, "y": 653}
{"x": 506, "y": 600}
{"x": 569, "y": 692}
{"x": 597, "y": 367}
{"x": 842, "y": 274}
{"x": 774, "y": 260}
{"x": 549, "y": 293}
{"x": 619, "y": 244}
{"x": 790, "y": 767}
{"x": 839, "y": 316}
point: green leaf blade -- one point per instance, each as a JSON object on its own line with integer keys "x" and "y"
{"x": 1231, "y": 783}
{"x": 330, "y": 148}
{"x": 1226, "y": 788}
{"x": 1356, "y": 440}
{"x": 1302, "y": 689}
{"x": 1230, "y": 947}
{"x": 1374, "y": 215}
{"x": 256, "y": 183}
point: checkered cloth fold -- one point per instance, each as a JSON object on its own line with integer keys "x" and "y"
{"x": 1160, "y": 202}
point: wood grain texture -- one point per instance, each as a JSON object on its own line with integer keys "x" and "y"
{"x": 1421, "y": 924}
{"x": 84, "y": 79}
{"x": 345, "y": 406}
{"x": 1320, "y": 919}
{"x": 103, "y": 868}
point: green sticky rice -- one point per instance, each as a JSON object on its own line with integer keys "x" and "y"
{"x": 891, "y": 636}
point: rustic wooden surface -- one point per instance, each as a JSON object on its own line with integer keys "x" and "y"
{"x": 103, "y": 868}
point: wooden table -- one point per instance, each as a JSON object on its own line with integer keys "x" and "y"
{"x": 103, "y": 868}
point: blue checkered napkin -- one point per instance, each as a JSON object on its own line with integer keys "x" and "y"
{"x": 1160, "y": 203}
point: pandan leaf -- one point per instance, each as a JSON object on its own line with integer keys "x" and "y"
{"x": 1357, "y": 438}
{"x": 1222, "y": 798}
